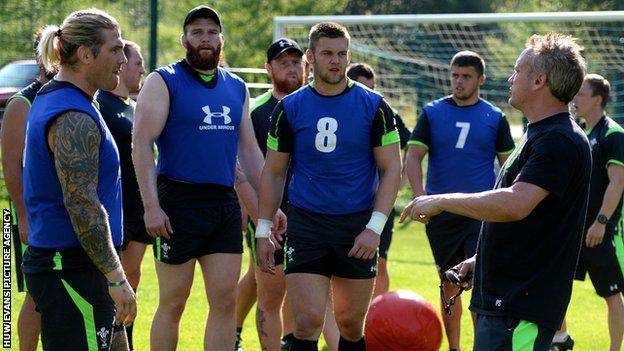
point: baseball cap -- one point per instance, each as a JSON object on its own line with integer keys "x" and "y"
{"x": 280, "y": 46}
{"x": 202, "y": 11}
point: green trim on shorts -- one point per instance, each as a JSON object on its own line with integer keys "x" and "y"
{"x": 252, "y": 241}
{"x": 87, "y": 316}
{"x": 619, "y": 246}
{"x": 157, "y": 242}
{"x": 58, "y": 262}
{"x": 524, "y": 336}
{"x": 419, "y": 143}
{"x": 285, "y": 251}
{"x": 23, "y": 276}
{"x": 390, "y": 138}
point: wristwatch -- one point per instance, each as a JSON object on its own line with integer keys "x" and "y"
{"x": 602, "y": 219}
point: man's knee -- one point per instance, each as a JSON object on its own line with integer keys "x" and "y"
{"x": 308, "y": 324}
{"x": 351, "y": 326}
{"x": 222, "y": 298}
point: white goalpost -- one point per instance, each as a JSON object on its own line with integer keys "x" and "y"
{"x": 411, "y": 53}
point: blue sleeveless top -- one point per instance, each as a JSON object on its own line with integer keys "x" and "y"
{"x": 199, "y": 142}
{"x": 48, "y": 220}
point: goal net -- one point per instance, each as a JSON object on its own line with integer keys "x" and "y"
{"x": 411, "y": 53}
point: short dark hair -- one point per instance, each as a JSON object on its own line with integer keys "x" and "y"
{"x": 326, "y": 30}
{"x": 130, "y": 44}
{"x": 599, "y": 86}
{"x": 360, "y": 69}
{"x": 468, "y": 58}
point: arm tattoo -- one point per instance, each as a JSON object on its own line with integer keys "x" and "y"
{"x": 76, "y": 154}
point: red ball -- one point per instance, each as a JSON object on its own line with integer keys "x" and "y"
{"x": 402, "y": 321}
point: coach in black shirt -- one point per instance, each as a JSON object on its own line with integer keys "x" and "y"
{"x": 533, "y": 219}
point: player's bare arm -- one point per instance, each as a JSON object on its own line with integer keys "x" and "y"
{"x": 150, "y": 118}
{"x": 388, "y": 160}
{"x": 75, "y": 140}
{"x": 12, "y": 138}
{"x": 500, "y": 205}
{"x": 270, "y": 196}
{"x": 611, "y": 198}
{"x": 413, "y": 168}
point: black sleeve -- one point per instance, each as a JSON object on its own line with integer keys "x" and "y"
{"x": 261, "y": 127}
{"x": 404, "y": 133}
{"x": 504, "y": 141}
{"x": 552, "y": 163}
{"x": 280, "y": 136}
{"x": 613, "y": 145}
{"x": 384, "y": 131}
{"x": 422, "y": 133}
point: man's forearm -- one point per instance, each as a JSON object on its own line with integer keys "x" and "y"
{"x": 413, "y": 168}
{"x": 611, "y": 199}
{"x": 143, "y": 160}
{"x": 91, "y": 225}
{"x": 489, "y": 206}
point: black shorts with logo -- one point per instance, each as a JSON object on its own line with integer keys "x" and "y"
{"x": 205, "y": 218}
{"x": 278, "y": 255}
{"x": 135, "y": 231}
{"x": 603, "y": 265}
{"x": 319, "y": 244}
{"x": 453, "y": 239}
{"x": 72, "y": 296}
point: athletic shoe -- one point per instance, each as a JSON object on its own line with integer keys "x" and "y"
{"x": 567, "y": 344}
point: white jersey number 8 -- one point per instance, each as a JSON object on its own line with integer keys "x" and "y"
{"x": 325, "y": 140}
{"x": 463, "y": 134}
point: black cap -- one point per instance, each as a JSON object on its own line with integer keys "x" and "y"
{"x": 280, "y": 46}
{"x": 202, "y": 12}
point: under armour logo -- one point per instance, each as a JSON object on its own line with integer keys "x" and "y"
{"x": 210, "y": 115}
{"x": 498, "y": 303}
{"x": 121, "y": 115}
{"x": 283, "y": 43}
{"x": 613, "y": 287}
{"x": 103, "y": 334}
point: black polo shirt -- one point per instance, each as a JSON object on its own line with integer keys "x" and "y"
{"x": 525, "y": 269}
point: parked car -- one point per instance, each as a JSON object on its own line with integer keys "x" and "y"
{"x": 15, "y": 76}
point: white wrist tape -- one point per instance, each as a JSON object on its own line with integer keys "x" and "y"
{"x": 377, "y": 222}
{"x": 263, "y": 230}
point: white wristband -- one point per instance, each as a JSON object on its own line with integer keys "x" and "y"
{"x": 263, "y": 230}
{"x": 377, "y": 222}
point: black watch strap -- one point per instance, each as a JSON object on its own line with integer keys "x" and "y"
{"x": 602, "y": 219}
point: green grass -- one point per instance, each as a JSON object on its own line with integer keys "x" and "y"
{"x": 411, "y": 267}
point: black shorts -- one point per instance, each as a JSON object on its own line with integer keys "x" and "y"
{"x": 205, "y": 218}
{"x": 603, "y": 265}
{"x": 386, "y": 236}
{"x": 319, "y": 244}
{"x": 77, "y": 312}
{"x": 453, "y": 239}
{"x": 135, "y": 231}
{"x": 278, "y": 255}
{"x": 503, "y": 333}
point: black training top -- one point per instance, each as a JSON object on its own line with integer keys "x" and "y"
{"x": 607, "y": 143}
{"x": 525, "y": 268}
{"x": 118, "y": 113}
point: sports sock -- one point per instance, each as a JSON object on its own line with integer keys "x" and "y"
{"x": 346, "y": 345}
{"x": 303, "y": 345}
